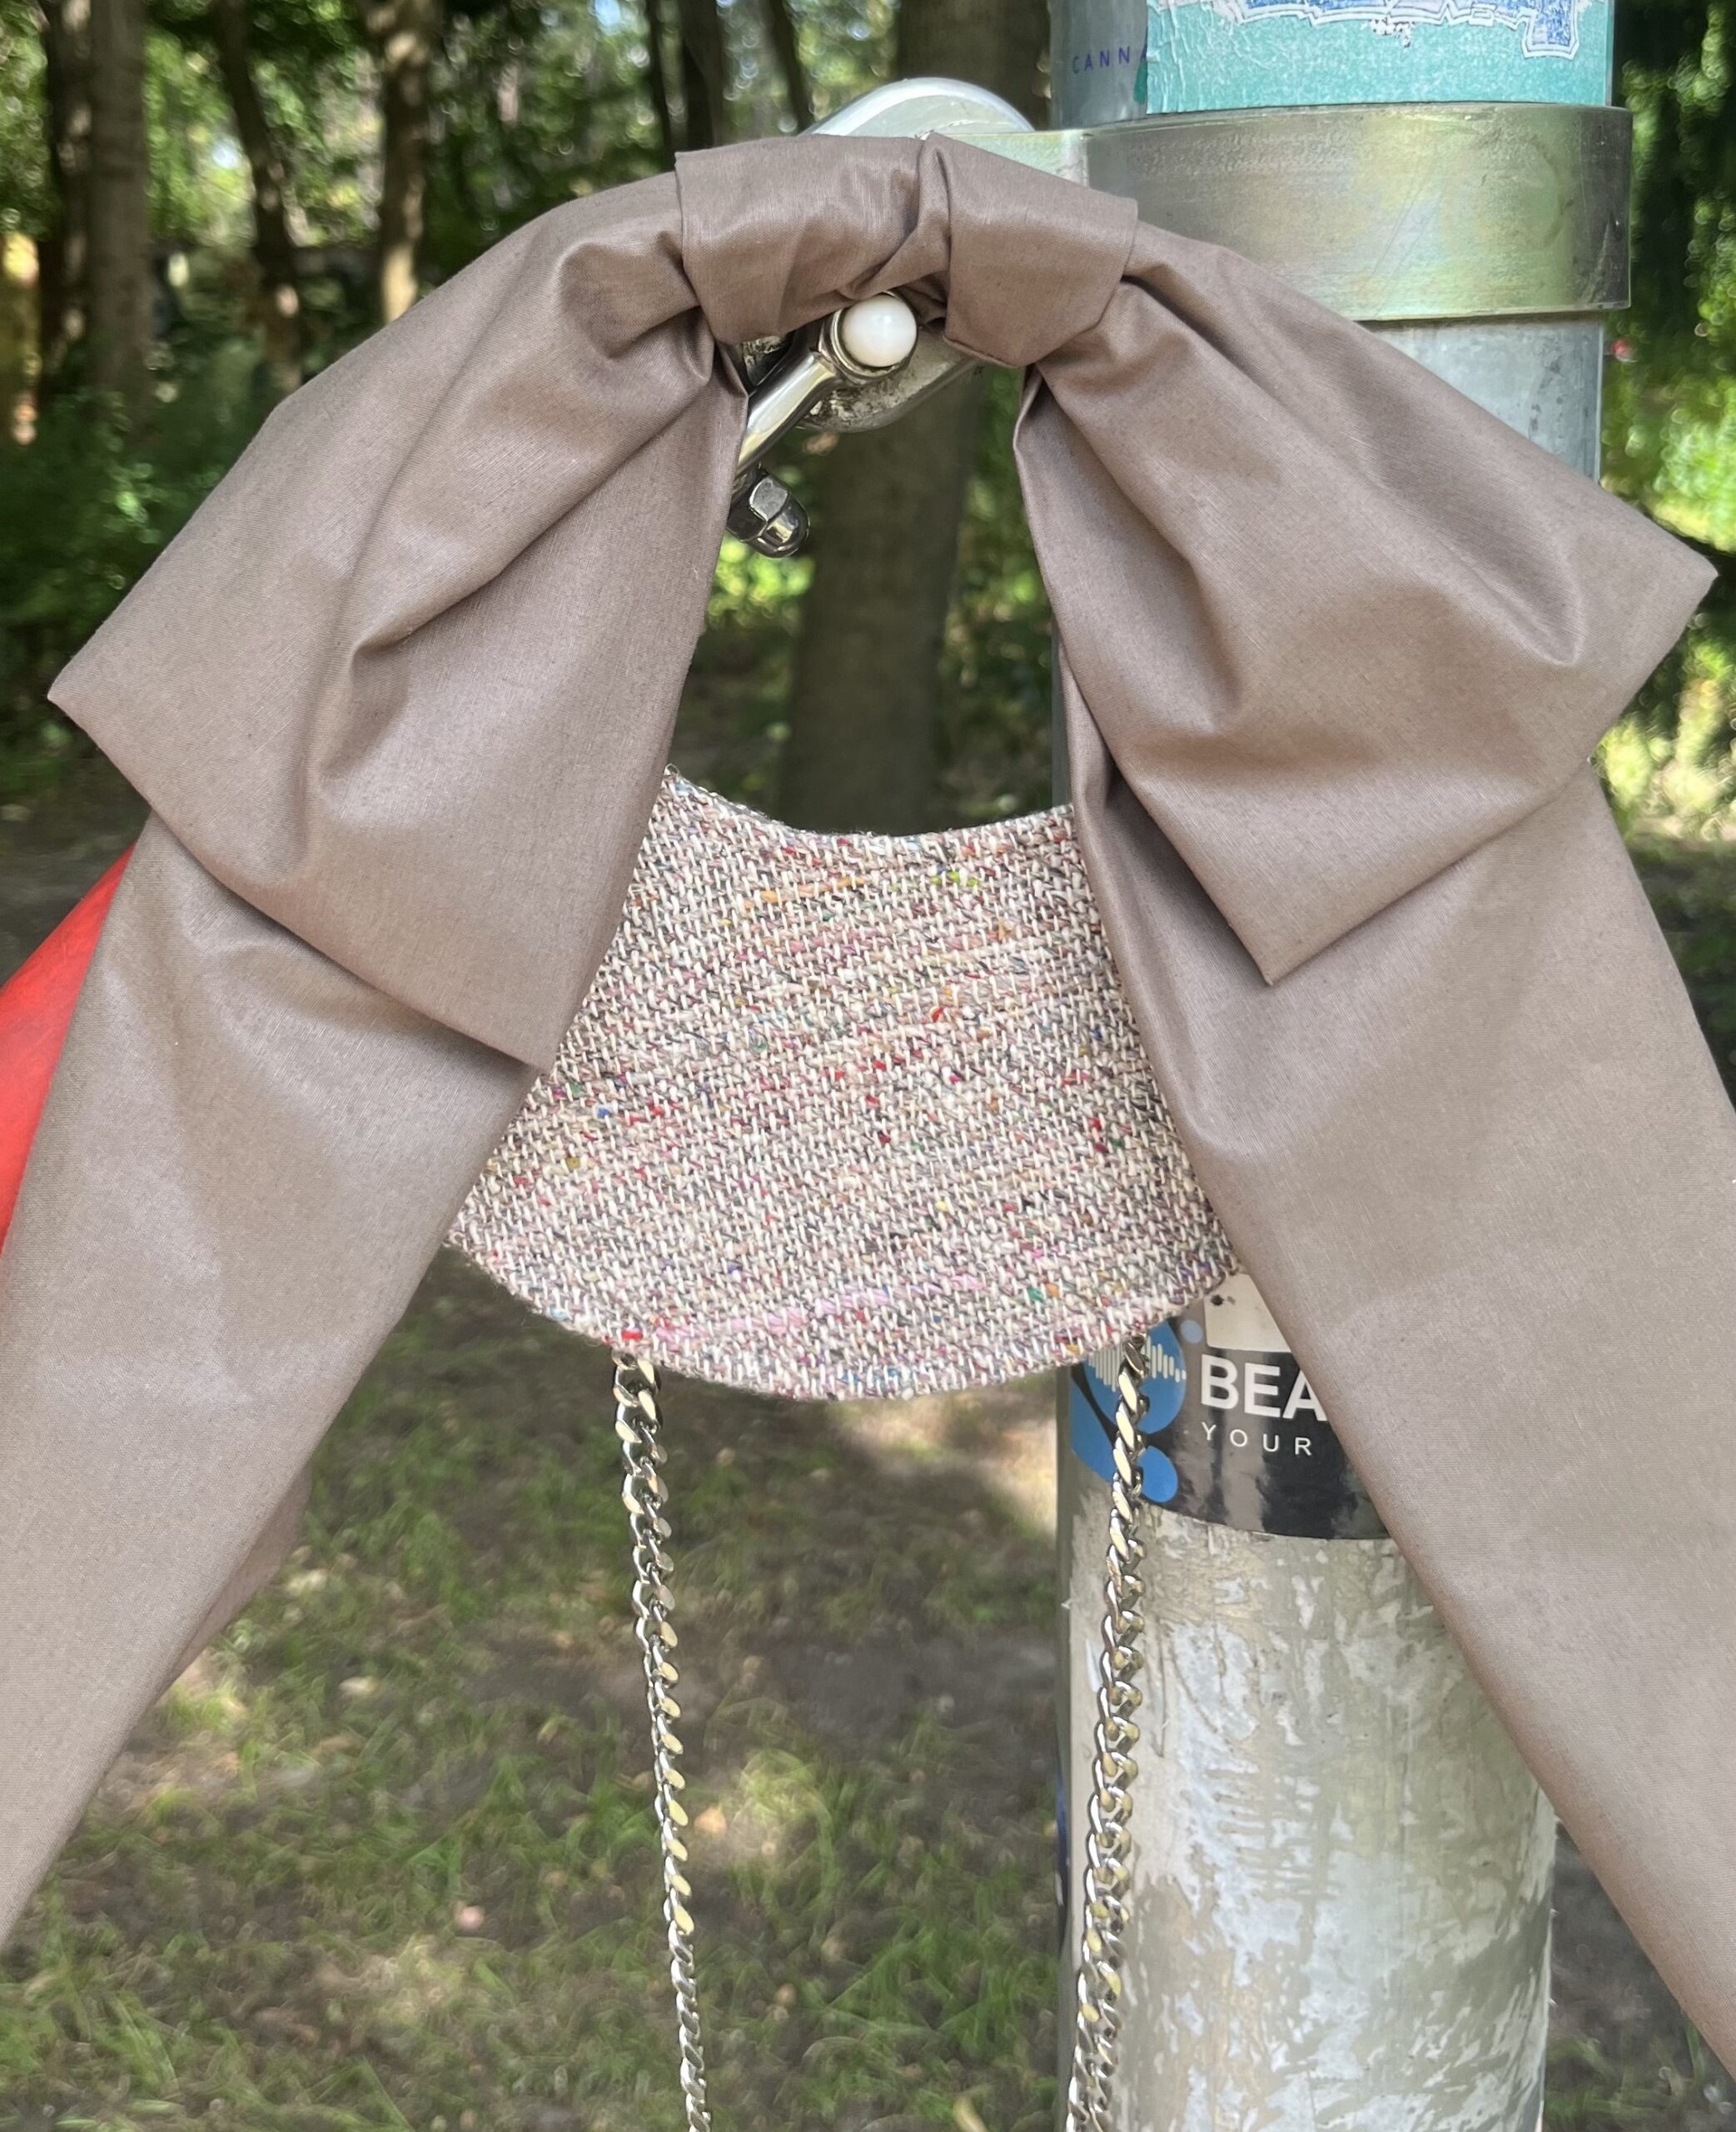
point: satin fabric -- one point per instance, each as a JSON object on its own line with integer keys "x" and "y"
{"x": 1335, "y": 647}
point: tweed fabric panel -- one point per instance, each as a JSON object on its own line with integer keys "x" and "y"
{"x": 848, "y": 1116}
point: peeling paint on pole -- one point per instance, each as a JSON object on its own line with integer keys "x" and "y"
{"x": 1342, "y": 1869}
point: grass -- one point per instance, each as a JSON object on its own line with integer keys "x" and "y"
{"x": 1591, "y": 2092}
{"x": 385, "y": 1857}
{"x": 1693, "y": 888}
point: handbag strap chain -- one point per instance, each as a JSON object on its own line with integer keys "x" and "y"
{"x": 1108, "y": 1843}
{"x": 639, "y": 1424}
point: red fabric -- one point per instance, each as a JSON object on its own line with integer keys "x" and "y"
{"x": 36, "y": 1011}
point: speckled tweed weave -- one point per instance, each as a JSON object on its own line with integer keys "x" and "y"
{"x": 848, "y": 1116}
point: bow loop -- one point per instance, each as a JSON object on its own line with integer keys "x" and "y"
{"x": 1335, "y": 624}
{"x": 1011, "y": 264}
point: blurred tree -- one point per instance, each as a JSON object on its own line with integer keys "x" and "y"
{"x": 314, "y": 71}
{"x": 1676, "y": 73}
{"x": 657, "y": 81}
{"x": 118, "y": 202}
{"x": 63, "y": 250}
{"x": 534, "y": 106}
{"x": 405, "y": 34}
{"x": 274, "y": 248}
{"x": 782, "y": 26}
{"x": 1670, "y": 409}
{"x": 704, "y": 81}
{"x": 848, "y": 46}
{"x": 199, "y": 185}
{"x": 864, "y": 706}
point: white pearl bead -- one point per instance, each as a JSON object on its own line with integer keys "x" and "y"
{"x": 879, "y": 333}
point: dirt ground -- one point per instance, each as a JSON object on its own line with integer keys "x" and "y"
{"x": 870, "y": 1670}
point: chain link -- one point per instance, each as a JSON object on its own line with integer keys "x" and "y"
{"x": 637, "y": 1424}
{"x": 1109, "y": 1838}
{"x": 1108, "y": 1846}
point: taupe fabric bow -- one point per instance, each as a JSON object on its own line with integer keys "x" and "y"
{"x": 1335, "y": 647}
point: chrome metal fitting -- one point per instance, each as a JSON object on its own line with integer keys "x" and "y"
{"x": 768, "y": 517}
{"x": 863, "y": 345}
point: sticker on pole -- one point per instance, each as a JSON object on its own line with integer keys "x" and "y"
{"x": 1233, "y": 1433}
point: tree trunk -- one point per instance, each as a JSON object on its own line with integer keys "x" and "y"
{"x": 64, "y": 255}
{"x": 782, "y": 26}
{"x": 705, "y": 112}
{"x": 273, "y": 249}
{"x": 657, "y": 81}
{"x": 119, "y": 202}
{"x": 998, "y": 44}
{"x": 860, "y": 753}
{"x": 406, "y": 33}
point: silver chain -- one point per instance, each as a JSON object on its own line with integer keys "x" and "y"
{"x": 1108, "y": 1845}
{"x": 1109, "y": 1836}
{"x": 637, "y": 1424}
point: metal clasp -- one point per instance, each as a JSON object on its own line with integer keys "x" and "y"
{"x": 862, "y": 345}
{"x": 826, "y": 377}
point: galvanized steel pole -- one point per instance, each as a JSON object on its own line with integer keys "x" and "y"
{"x": 1343, "y": 1872}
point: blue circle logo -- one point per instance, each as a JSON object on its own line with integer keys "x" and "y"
{"x": 1092, "y": 1416}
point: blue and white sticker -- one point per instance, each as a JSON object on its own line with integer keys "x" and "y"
{"x": 1233, "y": 1433}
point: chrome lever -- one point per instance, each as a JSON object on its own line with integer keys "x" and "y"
{"x": 863, "y": 343}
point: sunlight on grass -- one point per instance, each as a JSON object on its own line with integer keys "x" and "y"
{"x": 1005, "y": 1436}
{"x": 385, "y": 1857}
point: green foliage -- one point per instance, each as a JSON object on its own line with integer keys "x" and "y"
{"x": 1669, "y": 763}
{"x": 733, "y": 726}
{"x": 1693, "y": 888}
{"x": 541, "y": 104}
{"x": 848, "y": 47}
{"x": 535, "y": 103}
{"x": 541, "y": 107}
{"x": 315, "y": 80}
{"x": 199, "y": 189}
{"x": 1674, "y": 63}
{"x": 995, "y": 738}
{"x": 83, "y": 512}
{"x": 23, "y": 165}
{"x": 1669, "y": 429}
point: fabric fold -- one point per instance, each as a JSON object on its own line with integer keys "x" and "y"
{"x": 1334, "y": 646}
{"x": 1372, "y": 617}
{"x": 429, "y": 555}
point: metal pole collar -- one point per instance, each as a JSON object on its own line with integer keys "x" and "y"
{"x": 1386, "y": 212}
{"x": 1382, "y": 211}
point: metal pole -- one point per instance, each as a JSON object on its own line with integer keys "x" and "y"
{"x": 1343, "y": 1872}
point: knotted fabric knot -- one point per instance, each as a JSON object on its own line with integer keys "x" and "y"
{"x": 1008, "y": 264}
